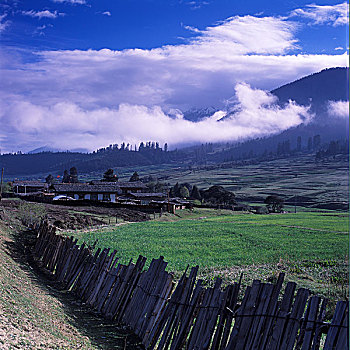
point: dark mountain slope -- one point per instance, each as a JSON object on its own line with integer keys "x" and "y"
{"x": 329, "y": 84}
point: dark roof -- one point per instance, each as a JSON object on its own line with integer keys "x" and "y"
{"x": 179, "y": 201}
{"x": 28, "y": 194}
{"x": 145, "y": 195}
{"x": 122, "y": 184}
{"x": 87, "y": 188}
{"x": 29, "y": 183}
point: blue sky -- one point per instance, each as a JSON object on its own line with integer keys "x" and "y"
{"x": 126, "y": 70}
{"x": 84, "y": 24}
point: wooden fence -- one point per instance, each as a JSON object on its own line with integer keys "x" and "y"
{"x": 186, "y": 315}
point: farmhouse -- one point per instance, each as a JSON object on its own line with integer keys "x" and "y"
{"x": 146, "y": 198}
{"x": 100, "y": 192}
{"x": 125, "y": 187}
{"x": 26, "y": 187}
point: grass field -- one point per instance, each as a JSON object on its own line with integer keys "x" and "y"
{"x": 226, "y": 240}
{"x": 312, "y": 247}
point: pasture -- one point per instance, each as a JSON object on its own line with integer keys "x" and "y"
{"x": 311, "y": 247}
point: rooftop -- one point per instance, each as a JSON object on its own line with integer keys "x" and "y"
{"x": 145, "y": 195}
{"x": 87, "y": 188}
{"x": 29, "y": 183}
{"x": 122, "y": 184}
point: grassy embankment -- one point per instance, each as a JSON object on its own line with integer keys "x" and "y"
{"x": 311, "y": 247}
{"x": 34, "y": 314}
{"x": 31, "y": 318}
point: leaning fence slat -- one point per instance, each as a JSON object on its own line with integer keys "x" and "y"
{"x": 293, "y": 323}
{"x": 262, "y": 340}
{"x": 343, "y": 335}
{"x": 282, "y": 317}
{"x": 169, "y": 315}
{"x": 310, "y": 322}
{"x": 230, "y": 308}
{"x": 318, "y": 331}
{"x": 257, "y": 330}
{"x": 106, "y": 290}
{"x": 334, "y": 329}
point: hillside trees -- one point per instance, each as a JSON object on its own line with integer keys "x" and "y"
{"x": 274, "y": 203}
{"x": 49, "y": 179}
{"x": 73, "y": 175}
{"x": 218, "y": 195}
{"x": 65, "y": 178}
{"x": 299, "y": 144}
{"x": 109, "y": 176}
{"x": 195, "y": 194}
{"x": 184, "y": 192}
{"x": 181, "y": 190}
{"x": 134, "y": 177}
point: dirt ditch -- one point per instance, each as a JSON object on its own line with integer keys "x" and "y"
{"x": 66, "y": 217}
{"x": 35, "y": 313}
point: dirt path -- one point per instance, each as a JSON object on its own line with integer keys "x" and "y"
{"x": 313, "y": 229}
{"x": 280, "y": 225}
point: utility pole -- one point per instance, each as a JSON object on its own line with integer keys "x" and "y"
{"x": 295, "y": 197}
{"x": 2, "y": 177}
{"x": 168, "y": 201}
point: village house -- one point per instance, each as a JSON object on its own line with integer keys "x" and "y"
{"x": 145, "y": 198}
{"x": 98, "y": 190}
{"x": 126, "y": 187}
{"x": 25, "y": 187}
{"x": 108, "y": 192}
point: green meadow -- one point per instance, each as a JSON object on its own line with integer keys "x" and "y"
{"x": 310, "y": 247}
{"x": 230, "y": 240}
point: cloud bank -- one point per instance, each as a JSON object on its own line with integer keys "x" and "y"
{"x": 66, "y": 124}
{"x": 339, "y": 109}
{"x": 127, "y": 95}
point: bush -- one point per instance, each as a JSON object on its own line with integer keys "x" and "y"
{"x": 261, "y": 210}
{"x": 31, "y": 213}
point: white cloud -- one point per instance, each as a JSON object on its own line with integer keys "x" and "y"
{"x": 42, "y": 14}
{"x": 339, "y": 109}
{"x": 259, "y": 115}
{"x": 195, "y": 5}
{"x": 73, "y": 2}
{"x": 247, "y": 35}
{"x": 3, "y": 24}
{"x": 107, "y": 13}
{"x": 41, "y": 29}
{"x": 171, "y": 77}
{"x": 335, "y": 15}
